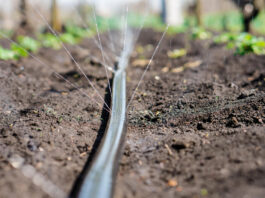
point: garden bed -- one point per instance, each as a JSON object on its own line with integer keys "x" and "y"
{"x": 195, "y": 128}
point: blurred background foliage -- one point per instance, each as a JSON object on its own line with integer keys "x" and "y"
{"x": 75, "y": 23}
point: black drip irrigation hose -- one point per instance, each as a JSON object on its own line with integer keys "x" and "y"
{"x": 98, "y": 177}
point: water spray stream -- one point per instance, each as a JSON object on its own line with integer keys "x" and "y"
{"x": 106, "y": 56}
{"x": 56, "y": 73}
{"x": 100, "y": 179}
{"x": 112, "y": 47}
{"x": 100, "y": 44}
{"x": 69, "y": 53}
{"x": 125, "y": 26}
{"x": 147, "y": 67}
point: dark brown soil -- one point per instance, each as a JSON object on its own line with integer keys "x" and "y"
{"x": 192, "y": 133}
{"x": 46, "y": 122}
{"x": 199, "y": 132}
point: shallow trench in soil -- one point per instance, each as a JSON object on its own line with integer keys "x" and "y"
{"x": 195, "y": 127}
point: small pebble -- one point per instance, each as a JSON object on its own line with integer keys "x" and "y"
{"x": 172, "y": 183}
{"x": 157, "y": 77}
{"x": 16, "y": 161}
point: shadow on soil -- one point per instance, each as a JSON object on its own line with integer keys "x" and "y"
{"x": 104, "y": 117}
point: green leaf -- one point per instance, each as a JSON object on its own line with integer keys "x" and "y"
{"x": 49, "y": 40}
{"x": 225, "y": 37}
{"x": 68, "y": 38}
{"x": 6, "y": 54}
{"x": 78, "y": 32}
{"x": 200, "y": 33}
{"x": 230, "y": 45}
{"x": 247, "y": 43}
{"x": 260, "y": 43}
{"x": 28, "y": 43}
{"x": 19, "y": 50}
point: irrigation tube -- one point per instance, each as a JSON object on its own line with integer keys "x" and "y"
{"x": 99, "y": 181}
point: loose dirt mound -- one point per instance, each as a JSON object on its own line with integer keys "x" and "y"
{"x": 195, "y": 130}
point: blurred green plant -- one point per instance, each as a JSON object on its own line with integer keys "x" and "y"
{"x": 49, "y": 41}
{"x": 72, "y": 35}
{"x": 231, "y": 21}
{"x": 177, "y": 53}
{"x": 28, "y": 43}
{"x": 243, "y": 43}
{"x": 68, "y": 38}
{"x": 177, "y": 29}
{"x": 19, "y": 51}
{"x": 78, "y": 32}
{"x": 6, "y": 54}
{"x": 24, "y": 46}
{"x": 225, "y": 37}
{"x": 200, "y": 33}
{"x": 247, "y": 43}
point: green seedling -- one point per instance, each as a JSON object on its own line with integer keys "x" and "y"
{"x": 68, "y": 38}
{"x": 25, "y": 45}
{"x": 78, "y": 32}
{"x": 19, "y": 51}
{"x": 6, "y": 54}
{"x": 74, "y": 34}
{"x": 28, "y": 43}
{"x": 50, "y": 41}
{"x": 225, "y": 38}
{"x": 200, "y": 33}
{"x": 243, "y": 43}
{"x": 247, "y": 43}
{"x": 177, "y": 53}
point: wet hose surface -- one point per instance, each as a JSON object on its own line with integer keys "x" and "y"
{"x": 98, "y": 178}
{"x": 101, "y": 176}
